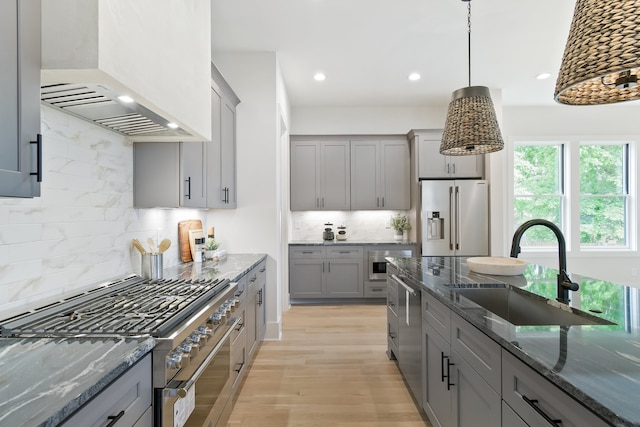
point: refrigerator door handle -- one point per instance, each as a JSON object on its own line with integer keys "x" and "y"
{"x": 450, "y": 218}
{"x": 457, "y": 218}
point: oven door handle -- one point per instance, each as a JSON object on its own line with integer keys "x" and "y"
{"x": 182, "y": 391}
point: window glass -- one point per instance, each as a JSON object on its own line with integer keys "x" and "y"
{"x": 538, "y": 189}
{"x": 603, "y": 194}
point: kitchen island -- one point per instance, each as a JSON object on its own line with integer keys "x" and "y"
{"x": 596, "y": 365}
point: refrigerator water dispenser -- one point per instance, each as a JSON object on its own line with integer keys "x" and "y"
{"x": 435, "y": 226}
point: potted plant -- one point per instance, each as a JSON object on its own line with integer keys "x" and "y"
{"x": 210, "y": 246}
{"x": 400, "y": 224}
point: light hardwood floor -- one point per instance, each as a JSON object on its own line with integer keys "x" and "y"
{"x": 330, "y": 369}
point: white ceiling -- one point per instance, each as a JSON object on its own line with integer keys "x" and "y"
{"x": 367, "y": 48}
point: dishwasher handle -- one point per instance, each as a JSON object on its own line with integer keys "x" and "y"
{"x": 404, "y": 285}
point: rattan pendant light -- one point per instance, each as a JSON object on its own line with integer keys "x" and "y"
{"x": 471, "y": 126}
{"x": 601, "y": 60}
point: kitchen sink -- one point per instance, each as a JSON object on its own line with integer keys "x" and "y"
{"x": 526, "y": 309}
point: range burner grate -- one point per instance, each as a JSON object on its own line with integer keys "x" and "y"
{"x": 129, "y": 307}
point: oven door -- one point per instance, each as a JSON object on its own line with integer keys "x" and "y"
{"x": 200, "y": 399}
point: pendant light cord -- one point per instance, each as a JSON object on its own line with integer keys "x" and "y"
{"x": 469, "y": 38}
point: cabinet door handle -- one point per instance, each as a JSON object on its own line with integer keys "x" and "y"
{"x": 448, "y": 375}
{"x": 323, "y": 202}
{"x": 448, "y": 168}
{"x": 263, "y": 269}
{"x": 377, "y": 202}
{"x": 38, "y": 172}
{"x": 188, "y": 188}
{"x": 454, "y": 168}
{"x": 114, "y": 418}
{"x": 383, "y": 202}
{"x": 260, "y": 299}
{"x": 241, "y": 365}
{"x": 547, "y": 418}
{"x": 329, "y": 267}
{"x": 317, "y": 202}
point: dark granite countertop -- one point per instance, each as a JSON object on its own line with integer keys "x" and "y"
{"x": 602, "y": 366}
{"x": 44, "y": 380}
{"x": 348, "y": 243}
{"x": 232, "y": 268}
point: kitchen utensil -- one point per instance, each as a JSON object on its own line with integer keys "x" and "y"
{"x": 164, "y": 245}
{"x": 151, "y": 266}
{"x": 183, "y": 237}
{"x": 193, "y": 235}
{"x": 152, "y": 245}
{"x": 138, "y": 246}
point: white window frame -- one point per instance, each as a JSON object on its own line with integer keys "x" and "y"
{"x": 571, "y": 217}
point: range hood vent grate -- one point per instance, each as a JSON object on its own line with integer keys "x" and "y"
{"x": 99, "y": 104}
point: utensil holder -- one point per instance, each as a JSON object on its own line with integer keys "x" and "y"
{"x": 151, "y": 267}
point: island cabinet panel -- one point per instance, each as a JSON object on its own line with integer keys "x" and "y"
{"x": 437, "y": 395}
{"x": 510, "y": 418}
{"x": 481, "y": 352}
{"x": 392, "y": 316}
{"x": 461, "y": 383}
{"x": 537, "y": 401}
{"x": 473, "y": 403}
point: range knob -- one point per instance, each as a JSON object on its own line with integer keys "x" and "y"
{"x": 205, "y": 333}
{"x": 215, "y": 318}
{"x": 174, "y": 360}
{"x": 197, "y": 340}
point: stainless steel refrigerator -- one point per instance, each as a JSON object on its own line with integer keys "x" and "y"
{"x": 455, "y": 218}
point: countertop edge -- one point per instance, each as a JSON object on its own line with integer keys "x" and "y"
{"x": 144, "y": 348}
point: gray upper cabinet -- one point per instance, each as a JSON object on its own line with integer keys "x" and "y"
{"x": 192, "y": 173}
{"x": 433, "y": 165}
{"x": 21, "y": 160}
{"x": 156, "y": 174}
{"x": 221, "y": 151}
{"x": 380, "y": 175}
{"x": 320, "y": 175}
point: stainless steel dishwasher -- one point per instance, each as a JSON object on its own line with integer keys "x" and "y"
{"x": 410, "y": 332}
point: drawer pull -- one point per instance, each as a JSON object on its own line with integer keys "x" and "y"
{"x": 114, "y": 418}
{"x": 263, "y": 269}
{"x": 239, "y": 367}
{"x": 304, "y": 252}
{"x": 345, "y": 252}
{"x": 377, "y": 289}
{"x": 533, "y": 404}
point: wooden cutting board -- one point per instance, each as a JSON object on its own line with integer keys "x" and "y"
{"x": 183, "y": 237}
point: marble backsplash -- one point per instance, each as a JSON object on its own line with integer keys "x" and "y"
{"x": 78, "y": 233}
{"x": 360, "y": 225}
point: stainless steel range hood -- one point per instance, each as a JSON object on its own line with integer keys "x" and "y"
{"x": 100, "y": 104}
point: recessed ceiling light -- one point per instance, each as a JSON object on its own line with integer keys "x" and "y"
{"x": 172, "y": 125}
{"x": 543, "y": 76}
{"x": 319, "y": 77}
{"x": 414, "y": 76}
{"x": 125, "y": 98}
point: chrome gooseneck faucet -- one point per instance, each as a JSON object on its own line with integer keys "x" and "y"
{"x": 564, "y": 282}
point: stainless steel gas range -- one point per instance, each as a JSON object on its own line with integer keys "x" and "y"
{"x": 191, "y": 320}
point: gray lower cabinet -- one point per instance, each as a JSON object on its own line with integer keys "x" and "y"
{"x": 510, "y": 418}
{"x": 461, "y": 369}
{"x": 128, "y": 398}
{"x": 537, "y": 401}
{"x": 392, "y": 319}
{"x": 20, "y": 139}
{"x": 319, "y": 272}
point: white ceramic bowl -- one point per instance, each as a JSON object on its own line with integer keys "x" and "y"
{"x": 497, "y": 266}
